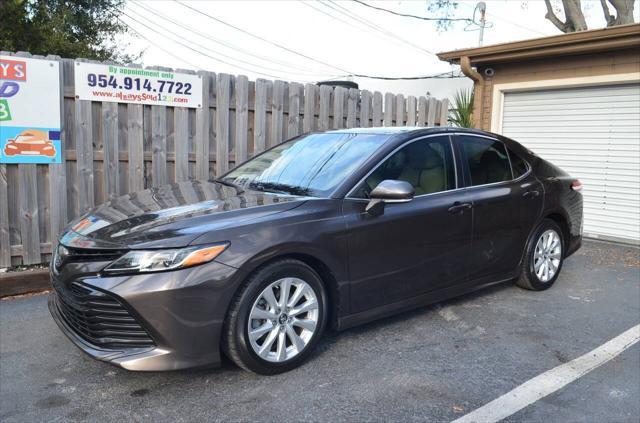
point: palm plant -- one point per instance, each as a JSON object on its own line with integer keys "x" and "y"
{"x": 461, "y": 114}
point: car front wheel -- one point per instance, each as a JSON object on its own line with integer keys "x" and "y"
{"x": 276, "y": 319}
{"x": 544, "y": 257}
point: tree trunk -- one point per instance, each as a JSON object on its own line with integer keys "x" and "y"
{"x": 574, "y": 15}
{"x": 624, "y": 12}
{"x": 574, "y": 18}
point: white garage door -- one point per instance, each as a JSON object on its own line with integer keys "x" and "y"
{"x": 594, "y": 134}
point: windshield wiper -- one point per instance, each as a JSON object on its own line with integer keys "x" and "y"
{"x": 238, "y": 188}
{"x": 280, "y": 188}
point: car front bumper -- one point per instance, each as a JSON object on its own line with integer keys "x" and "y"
{"x": 182, "y": 312}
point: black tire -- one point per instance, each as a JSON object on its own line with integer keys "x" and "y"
{"x": 528, "y": 278}
{"x": 236, "y": 344}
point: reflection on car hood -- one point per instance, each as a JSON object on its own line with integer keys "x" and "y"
{"x": 171, "y": 216}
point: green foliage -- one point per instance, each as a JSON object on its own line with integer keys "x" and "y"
{"x": 68, "y": 28}
{"x": 461, "y": 114}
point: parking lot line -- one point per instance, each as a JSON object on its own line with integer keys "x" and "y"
{"x": 551, "y": 380}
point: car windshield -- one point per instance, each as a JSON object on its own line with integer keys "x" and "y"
{"x": 312, "y": 165}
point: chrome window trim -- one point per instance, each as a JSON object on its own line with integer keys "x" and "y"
{"x": 384, "y": 159}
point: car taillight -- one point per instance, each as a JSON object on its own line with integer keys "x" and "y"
{"x": 576, "y": 185}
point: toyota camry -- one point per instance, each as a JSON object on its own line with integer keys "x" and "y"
{"x": 324, "y": 231}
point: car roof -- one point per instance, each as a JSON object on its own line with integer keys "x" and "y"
{"x": 407, "y": 131}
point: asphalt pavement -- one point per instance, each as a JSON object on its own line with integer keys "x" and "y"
{"x": 437, "y": 363}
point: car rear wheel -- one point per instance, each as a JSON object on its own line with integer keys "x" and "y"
{"x": 544, "y": 257}
{"x": 276, "y": 319}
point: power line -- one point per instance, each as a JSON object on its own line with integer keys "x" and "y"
{"x": 340, "y": 9}
{"x": 229, "y": 57}
{"x": 226, "y": 44}
{"x": 158, "y": 46}
{"x": 280, "y": 46}
{"x": 198, "y": 51}
{"x": 424, "y": 18}
{"x": 352, "y": 74}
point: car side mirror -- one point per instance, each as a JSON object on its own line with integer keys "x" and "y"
{"x": 389, "y": 191}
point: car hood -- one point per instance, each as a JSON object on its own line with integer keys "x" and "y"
{"x": 172, "y": 216}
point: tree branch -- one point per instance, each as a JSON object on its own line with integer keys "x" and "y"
{"x": 607, "y": 15}
{"x": 553, "y": 18}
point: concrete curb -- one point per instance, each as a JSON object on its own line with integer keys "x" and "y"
{"x": 25, "y": 282}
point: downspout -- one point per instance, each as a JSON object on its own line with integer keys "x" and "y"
{"x": 478, "y": 80}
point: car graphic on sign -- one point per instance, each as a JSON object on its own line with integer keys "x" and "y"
{"x": 30, "y": 143}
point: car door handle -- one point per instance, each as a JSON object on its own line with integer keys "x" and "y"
{"x": 531, "y": 194}
{"x": 460, "y": 207}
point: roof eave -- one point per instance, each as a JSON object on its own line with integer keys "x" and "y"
{"x": 593, "y": 41}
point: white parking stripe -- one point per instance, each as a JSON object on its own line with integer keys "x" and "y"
{"x": 551, "y": 380}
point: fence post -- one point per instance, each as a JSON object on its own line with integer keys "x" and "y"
{"x": 202, "y": 129}
{"x": 308, "y": 122}
{"x": 223, "y": 93}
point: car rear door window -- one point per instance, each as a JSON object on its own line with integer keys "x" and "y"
{"x": 518, "y": 165}
{"x": 487, "y": 160}
{"x": 426, "y": 164}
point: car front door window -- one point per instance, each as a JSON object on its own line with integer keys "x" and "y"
{"x": 426, "y": 164}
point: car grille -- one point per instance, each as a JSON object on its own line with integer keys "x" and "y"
{"x": 84, "y": 255}
{"x": 99, "y": 318}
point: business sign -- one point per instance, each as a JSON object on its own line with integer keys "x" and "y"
{"x": 120, "y": 84}
{"x": 29, "y": 110}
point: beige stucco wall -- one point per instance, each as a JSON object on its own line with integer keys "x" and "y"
{"x": 617, "y": 62}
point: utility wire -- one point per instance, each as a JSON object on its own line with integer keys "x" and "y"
{"x": 340, "y": 9}
{"x": 230, "y": 57}
{"x": 424, "y": 18}
{"x": 157, "y": 45}
{"x": 226, "y": 44}
{"x": 201, "y": 52}
{"x": 348, "y": 74}
{"x": 280, "y": 46}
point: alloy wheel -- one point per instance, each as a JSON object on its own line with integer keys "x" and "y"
{"x": 547, "y": 255}
{"x": 283, "y": 319}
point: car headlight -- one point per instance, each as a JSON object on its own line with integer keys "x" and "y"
{"x": 159, "y": 260}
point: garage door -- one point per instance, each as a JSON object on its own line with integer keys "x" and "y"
{"x": 594, "y": 134}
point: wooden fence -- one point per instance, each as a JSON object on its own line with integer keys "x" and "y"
{"x": 110, "y": 149}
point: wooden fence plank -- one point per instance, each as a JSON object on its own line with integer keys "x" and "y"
{"x": 352, "y": 106}
{"x": 84, "y": 147}
{"x": 152, "y": 145}
{"x": 325, "y": 108}
{"x": 223, "y": 97}
{"x": 159, "y": 145}
{"x": 377, "y": 109}
{"x": 181, "y": 139}
{"x": 110, "y": 147}
{"x": 365, "y": 108}
{"x": 5, "y": 239}
{"x": 444, "y": 112}
{"x": 277, "y": 111}
{"x": 431, "y": 111}
{"x": 58, "y": 171}
{"x": 309, "y": 120}
{"x": 260, "y": 117}
{"x": 202, "y": 128}
{"x": 293, "y": 119}
{"x": 338, "y": 107}
{"x": 400, "y": 110}
{"x": 411, "y": 110}
{"x": 28, "y": 206}
{"x": 242, "y": 118}
{"x": 389, "y": 101}
{"x": 135, "y": 147}
{"x": 422, "y": 111}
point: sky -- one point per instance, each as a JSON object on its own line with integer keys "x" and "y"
{"x": 330, "y": 38}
